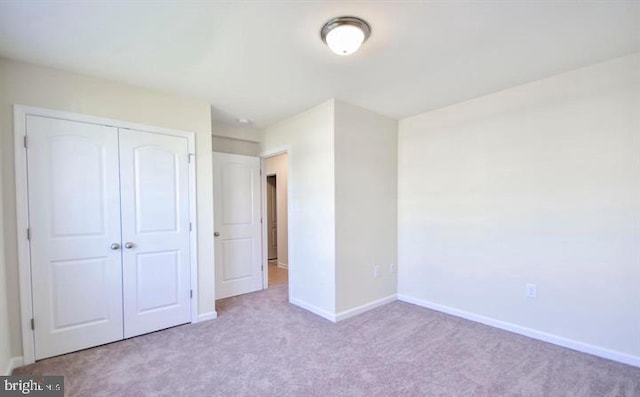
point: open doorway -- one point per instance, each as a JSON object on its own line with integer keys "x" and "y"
{"x": 272, "y": 218}
{"x": 276, "y": 233}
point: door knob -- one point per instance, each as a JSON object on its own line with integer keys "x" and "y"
{"x": 216, "y": 234}
{"x": 128, "y": 245}
{"x": 115, "y": 246}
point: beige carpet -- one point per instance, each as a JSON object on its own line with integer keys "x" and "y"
{"x": 262, "y": 346}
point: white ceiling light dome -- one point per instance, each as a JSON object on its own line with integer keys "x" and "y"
{"x": 344, "y": 35}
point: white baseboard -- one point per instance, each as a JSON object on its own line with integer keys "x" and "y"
{"x": 14, "y": 362}
{"x": 313, "y": 309}
{"x": 531, "y": 333}
{"x": 366, "y": 307}
{"x": 345, "y": 314}
{"x": 207, "y": 316}
{"x": 283, "y": 265}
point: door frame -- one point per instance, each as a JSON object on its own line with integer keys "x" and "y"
{"x": 263, "y": 187}
{"x": 20, "y": 113}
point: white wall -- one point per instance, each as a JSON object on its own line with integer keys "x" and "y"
{"x": 277, "y": 165}
{"x": 342, "y": 168}
{"x": 309, "y": 138}
{"x": 235, "y": 146}
{"x": 236, "y": 132}
{"x": 366, "y": 181}
{"x": 539, "y": 183}
{"x": 224, "y": 125}
{"x": 54, "y": 89}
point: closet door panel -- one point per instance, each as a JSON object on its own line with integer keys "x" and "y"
{"x": 155, "y": 226}
{"x": 74, "y": 211}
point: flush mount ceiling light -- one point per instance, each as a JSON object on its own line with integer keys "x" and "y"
{"x": 344, "y": 35}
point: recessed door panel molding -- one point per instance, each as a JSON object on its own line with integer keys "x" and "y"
{"x": 158, "y": 280}
{"x": 76, "y": 161}
{"x": 236, "y": 189}
{"x": 237, "y": 192}
{"x": 74, "y": 208}
{"x": 104, "y": 230}
{"x": 79, "y": 290}
{"x": 237, "y": 259}
{"x": 157, "y": 173}
{"x": 155, "y": 231}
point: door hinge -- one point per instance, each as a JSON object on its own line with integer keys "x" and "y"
{"x": 24, "y": 141}
{"x": 29, "y": 234}
{"x": 191, "y": 294}
{"x": 33, "y": 324}
{"x": 189, "y": 157}
{"x": 190, "y": 226}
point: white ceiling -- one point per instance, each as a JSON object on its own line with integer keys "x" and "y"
{"x": 265, "y": 61}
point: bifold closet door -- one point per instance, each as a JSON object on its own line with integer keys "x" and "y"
{"x": 74, "y": 211}
{"x": 154, "y": 174}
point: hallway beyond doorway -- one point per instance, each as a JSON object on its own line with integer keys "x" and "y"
{"x": 277, "y": 275}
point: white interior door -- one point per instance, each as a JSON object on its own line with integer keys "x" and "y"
{"x": 154, "y": 175}
{"x": 236, "y": 191}
{"x": 74, "y": 211}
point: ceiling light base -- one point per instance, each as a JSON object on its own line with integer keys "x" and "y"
{"x": 344, "y": 35}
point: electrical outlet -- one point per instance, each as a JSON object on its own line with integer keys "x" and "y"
{"x": 531, "y": 290}
{"x": 376, "y": 271}
{"x": 392, "y": 268}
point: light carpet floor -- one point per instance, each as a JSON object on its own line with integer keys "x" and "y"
{"x": 262, "y": 346}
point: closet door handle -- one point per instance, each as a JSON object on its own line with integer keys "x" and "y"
{"x": 128, "y": 245}
{"x": 115, "y": 246}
